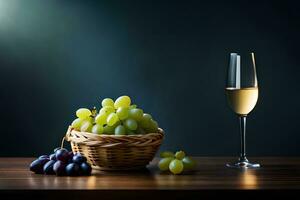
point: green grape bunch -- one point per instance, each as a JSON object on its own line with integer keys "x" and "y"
{"x": 176, "y": 163}
{"x": 119, "y": 117}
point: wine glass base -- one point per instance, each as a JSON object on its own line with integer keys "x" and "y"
{"x": 243, "y": 165}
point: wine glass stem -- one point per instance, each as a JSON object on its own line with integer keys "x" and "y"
{"x": 242, "y": 120}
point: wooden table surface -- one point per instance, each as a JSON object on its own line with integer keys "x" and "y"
{"x": 276, "y": 173}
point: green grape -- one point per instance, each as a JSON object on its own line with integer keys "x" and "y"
{"x": 176, "y": 166}
{"x": 91, "y": 119}
{"x": 112, "y": 119}
{"x": 97, "y": 129}
{"x": 136, "y": 114}
{"x": 86, "y": 126}
{"x": 108, "y": 130}
{"x": 120, "y": 130}
{"x": 107, "y": 102}
{"x": 145, "y": 121}
{"x": 147, "y": 116}
{"x": 131, "y": 124}
{"x": 140, "y": 130}
{"x": 123, "y": 101}
{"x": 164, "y": 163}
{"x": 179, "y": 155}
{"x": 122, "y": 113}
{"x": 76, "y": 123}
{"x": 83, "y": 113}
{"x": 153, "y": 126}
{"x": 130, "y": 132}
{"x": 117, "y": 123}
{"x": 188, "y": 163}
{"x": 132, "y": 106}
{"x": 101, "y": 119}
{"x": 166, "y": 154}
{"x": 107, "y": 110}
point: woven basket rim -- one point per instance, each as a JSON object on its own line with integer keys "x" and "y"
{"x": 70, "y": 129}
{"x": 107, "y": 141}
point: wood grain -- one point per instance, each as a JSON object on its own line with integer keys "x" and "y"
{"x": 211, "y": 174}
{"x": 278, "y": 177}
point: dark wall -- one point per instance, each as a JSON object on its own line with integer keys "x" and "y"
{"x": 169, "y": 56}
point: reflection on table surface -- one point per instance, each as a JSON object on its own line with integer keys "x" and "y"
{"x": 211, "y": 173}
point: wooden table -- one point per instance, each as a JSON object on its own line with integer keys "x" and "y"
{"x": 209, "y": 179}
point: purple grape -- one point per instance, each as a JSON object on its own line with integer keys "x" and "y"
{"x": 70, "y": 154}
{"x": 48, "y": 167}
{"x": 37, "y": 165}
{"x": 85, "y": 169}
{"x": 78, "y": 158}
{"x": 43, "y": 156}
{"x": 56, "y": 149}
{"x": 70, "y": 157}
{"x": 44, "y": 161}
{"x": 73, "y": 169}
{"x": 62, "y": 155}
{"x": 52, "y": 157}
{"x": 59, "y": 168}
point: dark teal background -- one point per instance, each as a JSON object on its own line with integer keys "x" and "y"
{"x": 169, "y": 56}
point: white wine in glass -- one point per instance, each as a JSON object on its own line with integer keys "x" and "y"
{"x": 242, "y": 100}
{"x": 242, "y": 94}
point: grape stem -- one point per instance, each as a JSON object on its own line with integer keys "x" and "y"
{"x": 62, "y": 143}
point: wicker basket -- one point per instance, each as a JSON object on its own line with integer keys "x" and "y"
{"x": 115, "y": 152}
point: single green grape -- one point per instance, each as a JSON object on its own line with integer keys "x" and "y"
{"x": 140, "y": 131}
{"x": 120, "y": 130}
{"x": 122, "y": 113}
{"x": 107, "y": 102}
{"x": 101, "y": 119}
{"x": 83, "y": 113}
{"x": 147, "y": 116}
{"x": 154, "y": 124}
{"x": 176, "y": 166}
{"x": 166, "y": 154}
{"x": 108, "y": 130}
{"x": 145, "y": 121}
{"x": 164, "y": 163}
{"x": 153, "y": 127}
{"x": 131, "y": 124}
{"x": 86, "y": 126}
{"x": 136, "y": 114}
{"x": 130, "y": 132}
{"x": 188, "y": 163}
{"x": 107, "y": 110}
{"x": 112, "y": 119}
{"x": 97, "y": 129}
{"x": 76, "y": 123}
{"x": 122, "y": 101}
{"x": 179, "y": 155}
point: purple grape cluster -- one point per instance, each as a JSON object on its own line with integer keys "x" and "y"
{"x": 62, "y": 163}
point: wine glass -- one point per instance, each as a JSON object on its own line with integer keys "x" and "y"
{"x": 242, "y": 94}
